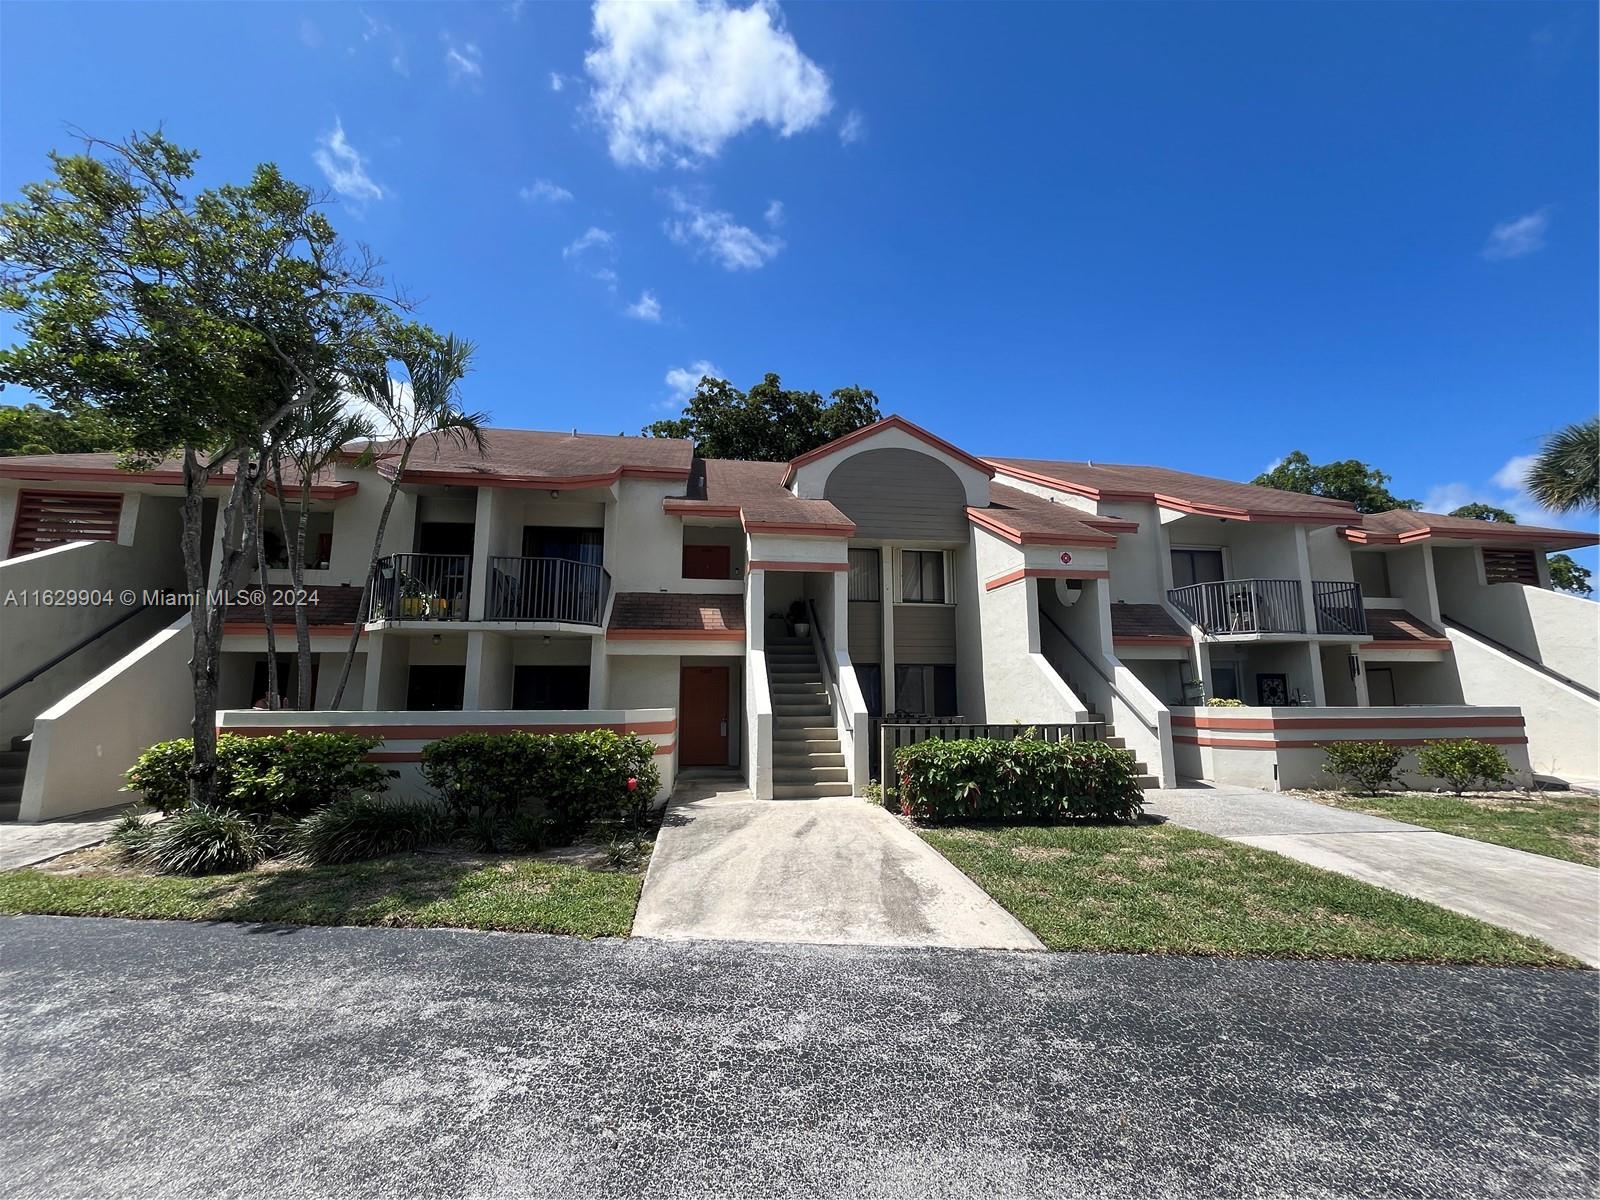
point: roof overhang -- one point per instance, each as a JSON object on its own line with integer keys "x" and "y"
{"x": 42, "y": 473}
{"x": 554, "y": 483}
{"x": 988, "y": 519}
{"x": 1181, "y": 504}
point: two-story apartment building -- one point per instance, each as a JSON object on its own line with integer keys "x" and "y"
{"x": 760, "y": 617}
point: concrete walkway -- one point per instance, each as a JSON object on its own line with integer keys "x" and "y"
{"x": 831, "y": 871}
{"x": 22, "y": 845}
{"x": 1557, "y": 902}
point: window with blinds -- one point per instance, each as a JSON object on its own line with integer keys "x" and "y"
{"x": 866, "y": 575}
{"x": 1511, "y": 566}
{"x": 922, "y": 576}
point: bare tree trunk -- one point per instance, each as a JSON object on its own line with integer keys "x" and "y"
{"x": 266, "y": 603}
{"x": 297, "y": 574}
{"x": 372, "y": 568}
{"x": 203, "y": 667}
{"x": 203, "y": 769}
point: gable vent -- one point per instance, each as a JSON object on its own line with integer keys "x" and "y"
{"x": 47, "y": 519}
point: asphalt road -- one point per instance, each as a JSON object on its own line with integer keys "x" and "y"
{"x": 171, "y": 1059}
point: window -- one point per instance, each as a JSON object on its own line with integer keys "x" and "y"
{"x": 1196, "y": 566}
{"x": 866, "y": 575}
{"x": 435, "y": 689}
{"x": 922, "y": 576}
{"x": 870, "y": 678}
{"x": 926, "y": 689}
{"x": 574, "y": 544}
{"x": 1511, "y": 566}
{"x": 539, "y": 686}
{"x": 1224, "y": 682}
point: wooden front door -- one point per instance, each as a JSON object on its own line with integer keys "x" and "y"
{"x": 703, "y": 717}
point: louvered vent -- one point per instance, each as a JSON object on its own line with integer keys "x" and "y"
{"x": 1511, "y": 566}
{"x": 47, "y": 519}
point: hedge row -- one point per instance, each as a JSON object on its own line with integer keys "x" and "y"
{"x": 278, "y": 775}
{"x": 1017, "y": 781}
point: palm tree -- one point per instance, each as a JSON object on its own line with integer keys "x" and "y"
{"x": 1566, "y": 475}
{"x": 310, "y": 439}
{"x": 425, "y": 402}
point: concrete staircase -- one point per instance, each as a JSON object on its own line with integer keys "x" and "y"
{"x": 13, "y": 769}
{"x": 1108, "y": 735}
{"x": 806, "y": 759}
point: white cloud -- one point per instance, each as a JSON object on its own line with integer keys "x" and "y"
{"x": 1507, "y": 489}
{"x": 543, "y": 189}
{"x": 345, "y": 168}
{"x": 514, "y": 9}
{"x": 684, "y": 380}
{"x": 853, "y": 128}
{"x": 384, "y": 34}
{"x": 463, "y": 59}
{"x": 675, "y": 80}
{"x": 648, "y": 308}
{"x": 736, "y": 247}
{"x": 557, "y": 81}
{"x": 1514, "y": 239}
{"x": 774, "y": 214}
{"x": 310, "y": 34}
{"x": 592, "y": 238}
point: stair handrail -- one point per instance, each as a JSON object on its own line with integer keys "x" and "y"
{"x": 52, "y": 663}
{"x": 1153, "y": 724}
{"x": 1511, "y": 652}
{"x": 829, "y": 666}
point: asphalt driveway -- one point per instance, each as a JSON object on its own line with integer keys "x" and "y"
{"x": 186, "y": 1060}
{"x": 1555, "y": 901}
{"x": 833, "y": 871}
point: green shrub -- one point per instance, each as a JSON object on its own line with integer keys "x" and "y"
{"x": 280, "y": 775}
{"x": 542, "y": 789}
{"x": 1371, "y": 766}
{"x": 357, "y": 827}
{"x": 1461, "y": 762}
{"x": 1224, "y": 702}
{"x": 204, "y": 841}
{"x": 872, "y": 792}
{"x": 161, "y": 776}
{"x": 1023, "y": 781}
{"x": 130, "y": 836}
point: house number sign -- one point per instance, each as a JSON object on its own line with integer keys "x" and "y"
{"x": 1065, "y": 558}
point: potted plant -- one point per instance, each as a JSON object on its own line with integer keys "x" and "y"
{"x": 798, "y": 625}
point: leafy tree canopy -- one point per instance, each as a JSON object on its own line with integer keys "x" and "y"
{"x": 1353, "y": 480}
{"x": 769, "y": 422}
{"x": 1567, "y": 576}
{"x": 33, "y": 429}
{"x": 1484, "y": 512}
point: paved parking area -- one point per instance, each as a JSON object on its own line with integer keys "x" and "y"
{"x": 834, "y": 871}
{"x": 1555, "y": 901}
{"x": 187, "y": 1060}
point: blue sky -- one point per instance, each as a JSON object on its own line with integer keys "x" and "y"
{"x": 1195, "y": 235}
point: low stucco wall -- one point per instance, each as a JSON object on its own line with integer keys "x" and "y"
{"x": 83, "y": 743}
{"x": 1563, "y": 724}
{"x": 405, "y": 734}
{"x": 1282, "y": 747}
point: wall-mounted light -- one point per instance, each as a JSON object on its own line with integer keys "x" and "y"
{"x": 555, "y": 494}
{"x": 437, "y": 639}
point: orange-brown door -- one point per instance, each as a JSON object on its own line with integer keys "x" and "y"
{"x": 707, "y": 562}
{"x": 703, "y": 717}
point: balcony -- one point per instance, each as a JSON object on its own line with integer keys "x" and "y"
{"x": 547, "y": 589}
{"x": 421, "y": 587}
{"x": 1250, "y": 607}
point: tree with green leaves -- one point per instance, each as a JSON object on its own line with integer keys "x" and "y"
{"x": 1351, "y": 479}
{"x": 1484, "y": 512}
{"x": 1567, "y": 576}
{"x": 34, "y": 429}
{"x": 1566, "y": 475}
{"x": 420, "y": 403}
{"x": 770, "y": 423}
{"x": 194, "y": 324}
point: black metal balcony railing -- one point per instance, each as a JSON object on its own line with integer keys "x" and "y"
{"x": 421, "y": 587}
{"x": 1339, "y": 607}
{"x": 1242, "y": 605}
{"x": 547, "y": 589}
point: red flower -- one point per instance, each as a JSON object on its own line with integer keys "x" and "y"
{"x": 633, "y": 784}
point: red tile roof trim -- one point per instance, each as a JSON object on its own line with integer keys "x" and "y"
{"x": 1400, "y": 527}
{"x": 165, "y": 476}
{"x": 892, "y": 421}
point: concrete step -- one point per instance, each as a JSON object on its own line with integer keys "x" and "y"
{"x": 1149, "y": 781}
{"x": 808, "y": 791}
{"x": 784, "y": 757}
{"x": 779, "y": 709}
{"x": 13, "y": 758}
{"x": 1119, "y": 743}
{"x": 788, "y": 775}
{"x": 10, "y": 808}
{"x": 12, "y": 777}
{"x": 805, "y": 741}
{"x": 798, "y": 687}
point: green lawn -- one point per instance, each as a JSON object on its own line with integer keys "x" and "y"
{"x": 417, "y": 890}
{"x": 1558, "y": 824}
{"x": 1160, "y": 889}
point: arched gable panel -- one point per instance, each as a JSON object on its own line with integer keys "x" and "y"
{"x": 900, "y": 495}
